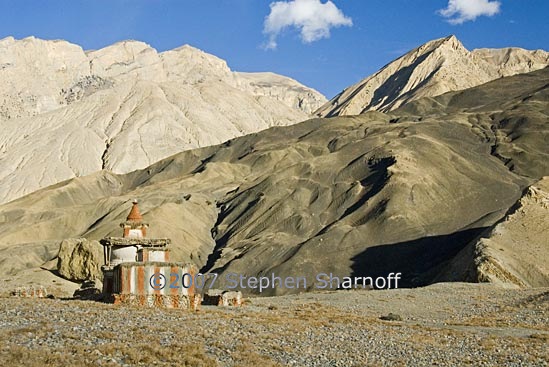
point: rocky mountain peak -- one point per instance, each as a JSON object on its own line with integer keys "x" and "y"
{"x": 448, "y": 43}
{"x": 434, "y": 68}
{"x": 452, "y": 42}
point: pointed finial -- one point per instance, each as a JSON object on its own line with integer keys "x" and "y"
{"x": 134, "y": 215}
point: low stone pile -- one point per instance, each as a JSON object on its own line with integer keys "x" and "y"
{"x": 216, "y": 297}
{"x": 30, "y": 292}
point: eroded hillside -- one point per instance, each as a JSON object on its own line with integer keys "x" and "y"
{"x": 66, "y": 112}
{"x": 365, "y": 195}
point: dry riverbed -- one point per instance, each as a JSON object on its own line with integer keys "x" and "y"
{"x": 442, "y": 325}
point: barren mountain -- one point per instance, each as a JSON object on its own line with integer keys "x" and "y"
{"x": 430, "y": 70}
{"x": 65, "y": 112}
{"x": 352, "y": 196}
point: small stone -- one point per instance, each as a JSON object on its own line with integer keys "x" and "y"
{"x": 391, "y": 317}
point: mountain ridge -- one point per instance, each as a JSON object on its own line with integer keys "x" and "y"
{"x": 434, "y": 68}
{"x": 65, "y": 112}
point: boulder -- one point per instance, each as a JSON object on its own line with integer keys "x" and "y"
{"x": 80, "y": 259}
{"x": 90, "y": 290}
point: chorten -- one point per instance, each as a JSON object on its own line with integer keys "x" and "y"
{"x": 138, "y": 271}
{"x": 127, "y": 257}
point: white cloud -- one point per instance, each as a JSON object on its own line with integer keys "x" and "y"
{"x": 459, "y": 11}
{"x": 313, "y": 18}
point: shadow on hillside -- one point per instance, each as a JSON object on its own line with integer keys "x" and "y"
{"x": 418, "y": 260}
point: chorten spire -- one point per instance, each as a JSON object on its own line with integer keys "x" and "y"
{"x": 135, "y": 215}
{"x": 134, "y": 226}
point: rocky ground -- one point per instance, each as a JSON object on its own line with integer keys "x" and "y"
{"x": 443, "y": 325}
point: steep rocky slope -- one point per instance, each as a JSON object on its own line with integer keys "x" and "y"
{"x": 514, "y": 252}
{"x": 364, "y": 195}
{"x": 65, "y": 112}
{"x": 430, "y": 70}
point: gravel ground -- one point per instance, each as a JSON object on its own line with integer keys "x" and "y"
{"x": 442, "y": 325}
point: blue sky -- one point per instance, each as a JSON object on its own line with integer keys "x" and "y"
{"x": 381, "y": 30}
